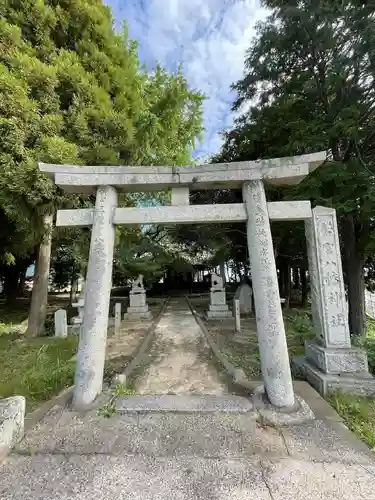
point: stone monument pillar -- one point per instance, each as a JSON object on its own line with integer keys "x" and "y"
{"x": 244, "y": 294}
{"x": 92, "y": 343}
{"x": 138, "y": 308}
{"x": 117, "y": 316}
{"x": 80, "y": 305}
{"x": 273, "y": 349}
{"x": 330, "y": 362}
{"x": 218, "y": 308}
{"x": 61, "y": 323}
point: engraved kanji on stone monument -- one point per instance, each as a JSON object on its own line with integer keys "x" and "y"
{"x": 330, "y": 362}
{"x": 270, "y": 325}
{"x": 326, "y": 279}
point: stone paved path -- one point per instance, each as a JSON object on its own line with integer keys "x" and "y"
{"x": 173, "y": 455}
{"x": 178, "y": 456}
{"x": 180, "y": 357}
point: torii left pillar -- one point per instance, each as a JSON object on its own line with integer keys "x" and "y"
{"x": 92, "y": 343}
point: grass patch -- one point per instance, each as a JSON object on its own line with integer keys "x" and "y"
{"x": 109, "y": 409}
{"x": 358, "y": 413}
{"x": 298, "y": 329}
{"x": 123, "y": 389}
{"x": 368, "y": 344}
{"x": 246, "y": 358}
{"x": 35, "y": 368}
{"x": 13, "y": 319}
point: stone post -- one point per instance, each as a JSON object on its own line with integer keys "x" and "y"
{"x": 61, "y": 323}
{"x": 117, "y": 316}
{"x": 273, "y": 349}
{"x": 326, "y": 279}
{"x": 92, "y": 344}
{"x": 330, "y": 362}
{"x": 237, "y": 316}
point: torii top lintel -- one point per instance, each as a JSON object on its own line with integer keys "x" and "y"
{"x": 278, "y": 171}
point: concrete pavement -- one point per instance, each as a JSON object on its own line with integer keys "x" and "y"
{"x": 181, "y": 455}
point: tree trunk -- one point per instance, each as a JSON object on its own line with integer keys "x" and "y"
{"x": 11, "y": 276}
{"x": 296, "y": 280}
{"x": 281, "y": 276}
{"x": 354, "y": 261}
{"x": 238, "y": 271}
{"x": 73, "y": 286}
{"x": 222, "y": 271}
{"x": 304, "y": 295}
{"x": 285, "y": 281}
{"x": 229, "y": 274}
{"x": 21, "y": 284}
{"x": 39, "y": 298}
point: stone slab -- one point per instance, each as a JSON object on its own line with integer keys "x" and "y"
{"x": 232, "y": 212}
{"x": 289, "y": 170}
{"x": 325, "y": 441}
{"x": 321, "y": 408}
{"x": 183, "y": 403}
{"x": 137, "y": 299}
{"x": 335, "y": 360}
{"x": 137, "y": 309}
{"x": 138, "y": 315}
{"x": 362, "y": 383}
{"x": 292, "y": 479}
{"x": 167, "y": 434}
{"x": 12, "y": 415}
{"x": 221, "y": 307}
{"x": 244, "y": 294}
{"x": 217, "y": 297}
{"x": 218, "y": 314}
{"x": 135, "y": 477}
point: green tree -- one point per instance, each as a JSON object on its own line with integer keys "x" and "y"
{"x": 310, "y": 71}
{"x": 72, "y": 91}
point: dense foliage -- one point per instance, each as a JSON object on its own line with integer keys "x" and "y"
{"x": 72, "y": 90}
{"x": 309, "y": 86}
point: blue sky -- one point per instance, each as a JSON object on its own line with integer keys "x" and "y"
{"x": 208, "y": 37}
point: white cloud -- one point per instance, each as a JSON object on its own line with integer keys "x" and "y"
{"x": 209, "y": 38}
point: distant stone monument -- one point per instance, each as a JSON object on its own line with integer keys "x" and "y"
{"x": 138, "y": 308}
{"x": 61, "y": 323}
{"x": 218, "y": 307}
{"x": 117, "y": 316}
{"x": 80, "y": 305}
{"x": 244, "y": 294}
{"x": 237, "y": 315}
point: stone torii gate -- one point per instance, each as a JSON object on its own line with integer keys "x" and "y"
{"x": 328, "y": 296}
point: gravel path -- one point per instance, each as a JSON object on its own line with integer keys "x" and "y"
{"x": 180, "y": 357}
